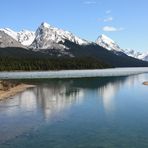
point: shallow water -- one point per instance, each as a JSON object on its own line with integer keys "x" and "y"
{"x": 77, "y": 113}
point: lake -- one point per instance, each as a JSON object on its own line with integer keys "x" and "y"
{"x": 109, "y": 112}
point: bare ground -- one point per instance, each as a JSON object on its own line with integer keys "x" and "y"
{"x": 4, "y": 94}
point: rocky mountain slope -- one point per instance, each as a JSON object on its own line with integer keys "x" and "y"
{"x": 8, "y": 41}
{"x": 25, "y": 37}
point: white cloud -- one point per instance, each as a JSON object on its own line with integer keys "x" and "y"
{"x": 109, "y": 19}
{"x": 90, "y": 2}
{"x": 112, "y": 29}
{"x": 108, "y": 11}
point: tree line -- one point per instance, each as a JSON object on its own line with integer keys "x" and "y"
{"x": 44, "y": 64}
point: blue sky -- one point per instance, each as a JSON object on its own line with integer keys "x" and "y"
{"x": 125, "y": 21}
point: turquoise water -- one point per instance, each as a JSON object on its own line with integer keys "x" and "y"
{"x": 77, "y": 113}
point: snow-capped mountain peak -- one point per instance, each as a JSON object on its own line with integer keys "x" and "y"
{"x": 106, "y": 38}
{"x": 108, "y": 43}
{"x": 137, "y": 55}
{"x": 111, "y": 45}
{"x": 46, "y": 25}
{"x": 47, "y": 36}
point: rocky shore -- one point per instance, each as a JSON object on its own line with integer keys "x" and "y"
{"x": 11, "y": 88}
{"x": 145, "y": 83}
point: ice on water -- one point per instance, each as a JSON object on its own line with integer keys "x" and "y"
{"x": 73, "y": 73}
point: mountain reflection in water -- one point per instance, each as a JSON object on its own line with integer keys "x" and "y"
{"x": 52, "y": 98}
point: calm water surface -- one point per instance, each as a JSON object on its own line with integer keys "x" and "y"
{"x": 77, "y": 113}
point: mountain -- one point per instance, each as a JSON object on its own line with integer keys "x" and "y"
{"x": 135, "y": 54}
{"x": 111, "y": 45}
{"x": 48, "y": 37}
{"x": 24, "y": 37}
{"x": 51, "y": 37}
{"x": 51, "y": 42}
{"x": 144, "y": 56}
{"x": 108, "y": 43}
{"x": 8, "y": 41}
{"x": 93, "y": 50}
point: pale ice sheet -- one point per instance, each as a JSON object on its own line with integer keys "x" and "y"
{"x": 73, "y": 73}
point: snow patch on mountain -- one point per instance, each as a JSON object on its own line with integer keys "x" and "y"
{"x": 26, "y": 37}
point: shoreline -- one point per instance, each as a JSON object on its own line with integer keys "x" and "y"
{"x": 13, "y": 91}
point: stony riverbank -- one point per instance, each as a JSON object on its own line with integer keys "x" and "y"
{"x": 11, "y": 88}
{"x": 145, "y": 83}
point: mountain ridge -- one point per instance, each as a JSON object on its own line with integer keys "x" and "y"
{"x": 54, "y": 38}
{"x": 50, "y": 42}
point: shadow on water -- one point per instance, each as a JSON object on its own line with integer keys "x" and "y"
{"x": 89, "y": 83}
